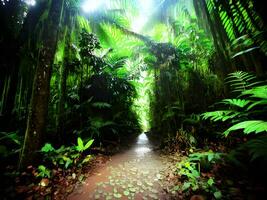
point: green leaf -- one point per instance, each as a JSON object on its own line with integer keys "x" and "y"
{"x": 186, "y": 185}
{"x": 245, "y": 51}
{"x": 256, "y": 126}
{"x": 68, "y": 162}
{"x": 220, "y": 115}
{"x": 217, "y": 195}
{"x": 261, "y": 102}
{"x": 80, "y": 142}
{"x": 86, "y": 159}
{"x": 47, "y": 148}
{"x": 210, "y": 157}
{"x": 257, "y": 92}
{"x": 41, "y": 168}
{"x": 236, "y": 102}
{"x": 210, "y": 181}
{"x": 195, "y": 174}
{"x": 88, "y": 144}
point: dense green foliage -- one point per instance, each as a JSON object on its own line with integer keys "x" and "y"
{"x": 248, "y": 110}
{"x": 105, "y": 74}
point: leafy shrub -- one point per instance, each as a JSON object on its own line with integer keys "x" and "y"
{"x": 44, "y": 172}
{"x": 246, "y": 113}
{"x": 205, "y": 160}
{"x": 67, "y": 156}
{"x": 248, "y": 110}
{"x": 189, "y": 170}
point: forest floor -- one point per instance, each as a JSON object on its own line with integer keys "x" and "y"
{"x": 136, "y": 173}
{"x": 141, "y": 169}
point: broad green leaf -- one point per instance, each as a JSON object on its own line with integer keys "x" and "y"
{"x": 88, "y": 144}
{"x": 80, "y": 146}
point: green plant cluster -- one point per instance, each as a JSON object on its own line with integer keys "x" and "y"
{"x": 247, "y": 111}
{"x": 65, "y": 157}
{"x": 190, "y": 170}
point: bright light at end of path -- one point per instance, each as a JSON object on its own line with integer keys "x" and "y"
{"x": 142, "y": 139}
{"x": 91, "y": 5}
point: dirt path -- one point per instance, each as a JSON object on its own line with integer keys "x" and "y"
{"x": 134, "y": 174}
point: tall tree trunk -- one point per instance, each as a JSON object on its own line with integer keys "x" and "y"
{"x": 34, "y": 136}
{"x": 70, "y": 17}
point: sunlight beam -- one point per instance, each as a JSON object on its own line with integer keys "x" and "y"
{"x": 146, "y": 4}
{"x": 145, "y": 10}
{"x": 138, "y": 23}
{"x": 91, "y": 5}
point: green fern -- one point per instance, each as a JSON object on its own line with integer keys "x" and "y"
{"x": 241, "y": 81}
{"x": 257, "y": 92}
{"x": 241, "y": 103}
{"x": 251, "y": 126}
{"x": 220, "y": 115}
{"x": 248, "y": 116}
{"x": 256, "y": 103}
{"x": 260, "y": 93}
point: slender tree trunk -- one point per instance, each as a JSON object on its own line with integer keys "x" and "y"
{"x": 63, "y": 85}
{"x": 34, "y": 136}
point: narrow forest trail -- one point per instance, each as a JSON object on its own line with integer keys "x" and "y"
{"x": 133, "y": 174}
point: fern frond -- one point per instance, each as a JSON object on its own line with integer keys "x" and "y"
{"x": 251, "y": 126}
{"x": 220, "y": 115}
{"x": 241, "y": 103}
{"x": 257, "y": 92}
{"x": 241, "y": 81}
{"x": 261, "y": 102}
